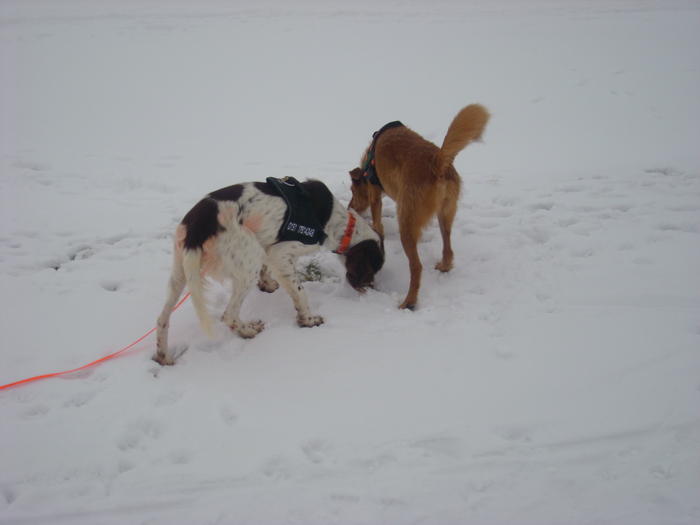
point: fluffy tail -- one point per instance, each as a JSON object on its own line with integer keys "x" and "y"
{"x": 466, "y": 127}
{"x": 197, "y": 261}
{"x": 192, "y": 264}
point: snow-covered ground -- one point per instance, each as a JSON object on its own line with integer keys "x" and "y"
{"x": 553, "y": 377}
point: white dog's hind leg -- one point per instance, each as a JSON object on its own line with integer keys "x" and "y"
{"x": 266, "y": 283}
{"x": 242, "y": 258}
{"x": 282, "y": 258}
{"x": 242, "y": 283}
{"x": 175, "y": 286}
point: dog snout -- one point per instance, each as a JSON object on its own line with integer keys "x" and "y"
{"x": 358, "y": 283}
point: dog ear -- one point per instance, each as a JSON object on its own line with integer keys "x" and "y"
{"x": 356, "y": 175}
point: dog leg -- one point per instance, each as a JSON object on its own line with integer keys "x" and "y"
{"x": 175, "y": 287}
{"x": 241, "y": 285}
{"x": 282, "y": 258}
{"x": 266, "y": 283}
{"x": 409, "y": 239}
{"x": 376, "y": 208}
{"x": 445, "y": 218}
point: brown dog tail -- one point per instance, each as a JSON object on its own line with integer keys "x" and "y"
{"x": 466, "y": 127}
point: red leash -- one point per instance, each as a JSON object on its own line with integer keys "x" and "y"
{"x": 97, "y": 362}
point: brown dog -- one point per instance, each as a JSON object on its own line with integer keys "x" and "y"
{"x": 422, "y": 181}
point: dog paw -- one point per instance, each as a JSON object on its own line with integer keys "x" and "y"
{"x": 309, "y": 320}
{"x": 443, "y": 267}
{"x": 163, "y": 360}
{"x": 251, "y": 329}
{"x": 268, "y": 285}
{"x": 408, "y": 305}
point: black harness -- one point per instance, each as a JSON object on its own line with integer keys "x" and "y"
{"x": 300, "y": 222}
{"x": 369, "y": 169}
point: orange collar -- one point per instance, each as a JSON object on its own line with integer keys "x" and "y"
{"x": 345, "y": 241}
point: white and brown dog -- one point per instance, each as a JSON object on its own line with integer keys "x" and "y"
{"x": 238, "y": 233}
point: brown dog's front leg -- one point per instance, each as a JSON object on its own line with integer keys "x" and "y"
{"x": 376, "y": 207}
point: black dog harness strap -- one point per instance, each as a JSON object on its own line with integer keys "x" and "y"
{"x": 369, "y": 169}
{"x": 300, "y": 222}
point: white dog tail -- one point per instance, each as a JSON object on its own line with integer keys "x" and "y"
{"x": 466, "y": 127}
{"x": 200, "y": 256}
{"x": 192, "y": 265}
